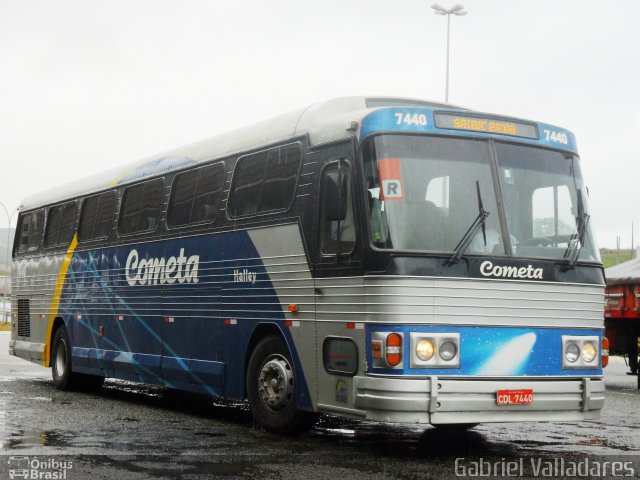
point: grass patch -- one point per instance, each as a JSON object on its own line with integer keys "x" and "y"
{"x": 610, "y": 256}
{"x": 5, "y": 327}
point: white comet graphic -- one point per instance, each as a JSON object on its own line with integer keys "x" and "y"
{"x": 509, "y": 359}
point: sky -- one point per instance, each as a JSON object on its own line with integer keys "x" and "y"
{"x": 86, "y": 85}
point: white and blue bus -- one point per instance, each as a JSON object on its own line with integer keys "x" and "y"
{"x": 387, "y": 259}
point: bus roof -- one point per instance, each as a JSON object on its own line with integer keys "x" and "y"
{"x": 321, "y": 122}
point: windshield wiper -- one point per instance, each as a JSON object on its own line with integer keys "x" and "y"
{"x": 577, "y": 241}
{"x": 473, "y": 229}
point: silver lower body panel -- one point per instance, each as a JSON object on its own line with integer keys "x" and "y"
{"x": 449, "y": 401}
{"x": 31, "y": 351}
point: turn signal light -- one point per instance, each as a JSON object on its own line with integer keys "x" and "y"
{"x": 376, "y": 348}
{"x": 394, "y": 349}
{"x": 604, "y": 352}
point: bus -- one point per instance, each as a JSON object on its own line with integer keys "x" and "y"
{"x": 388, "y": 259}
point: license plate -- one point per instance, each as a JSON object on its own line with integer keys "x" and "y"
{"x": 514, "y": 397}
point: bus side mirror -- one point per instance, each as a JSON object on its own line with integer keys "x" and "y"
{"x": 334, "y": 199}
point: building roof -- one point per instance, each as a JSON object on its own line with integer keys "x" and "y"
{"x": 624, "y": 273}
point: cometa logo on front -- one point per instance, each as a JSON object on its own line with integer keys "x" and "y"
{"x": 488, "y": 269}
{"x": 154, "y": 271}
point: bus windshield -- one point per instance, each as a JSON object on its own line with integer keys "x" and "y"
{"x": 425, "y": 193}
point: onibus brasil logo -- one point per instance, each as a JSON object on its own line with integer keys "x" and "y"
{"x": 38, "y": 469}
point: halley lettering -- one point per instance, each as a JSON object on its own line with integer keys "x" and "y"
{"x": 244, "y": 275}
{"x": 154, "y": 271}
{"x": 488, "y": 269}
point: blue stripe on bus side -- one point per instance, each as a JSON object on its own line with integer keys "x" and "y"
{"x": 120, "y": 326}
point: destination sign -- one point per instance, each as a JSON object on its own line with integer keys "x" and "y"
{"x": 486, "y": 125}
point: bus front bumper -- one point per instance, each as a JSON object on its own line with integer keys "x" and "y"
{"x": 453, "y": 401}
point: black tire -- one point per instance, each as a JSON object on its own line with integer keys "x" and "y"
{"x": 88, "y": 383}
{"x": 63, "y": 377}
{"x": 455, "y": 427}
{"x": 271, "y": 389}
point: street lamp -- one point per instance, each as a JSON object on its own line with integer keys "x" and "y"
{"x": 458, "y": 10}
{"x": 6, "y": 280}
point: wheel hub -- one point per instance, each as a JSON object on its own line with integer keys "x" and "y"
{"x": 61, "y": 359}
{"x": 275, "y": 384}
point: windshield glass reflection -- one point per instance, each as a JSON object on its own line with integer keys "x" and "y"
{"x": 423, "y": 192}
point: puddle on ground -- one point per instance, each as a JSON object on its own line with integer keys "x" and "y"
{"x": 404, "y": 440}
{"x": 33, "y": 438}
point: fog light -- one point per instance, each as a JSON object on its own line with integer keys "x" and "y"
{"x": 448, "y": 350}
{"x": 425, "y": 350}
{"x": 572, "y": 352}
{"x": 589, "y": 352}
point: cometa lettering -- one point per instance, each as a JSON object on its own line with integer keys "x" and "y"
{"x": 154, "y": 271}
{"x": 488, "y": 269}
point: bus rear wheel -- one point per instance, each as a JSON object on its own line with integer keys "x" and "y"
{"x": 63, "y": 376}
{"x": 271, "y": 389}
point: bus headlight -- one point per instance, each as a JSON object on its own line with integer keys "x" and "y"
{"x": 448, "y": 350}
{"x": 589, "y": 352}
{"x": 580, "y": 352}
{"x": 572, "y": 353}
{"x": 425, "y": 350}
{"x": 434, "y": 350}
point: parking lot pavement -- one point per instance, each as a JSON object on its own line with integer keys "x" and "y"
{"x": 127, "y": 430}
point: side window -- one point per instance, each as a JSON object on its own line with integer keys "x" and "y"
{"x": 104, "y": 216}
{"x": 438, "y": 192}
{"x": 60, "y": 225}
{"x": 280, "y": 179}
{"x": 247, "y": 182}
{"x": 140, "y": 208}
{"x": 96, "y": 216}
{"x": 87, "y": 222}
{"x": 265, "y": 181}
{"x": 196, "y": 195}
{"x": 337, "y": 226}
{"x": 53, "y": 226}
{"x": 552, "y": 212}
{"x": 31, "y": 226}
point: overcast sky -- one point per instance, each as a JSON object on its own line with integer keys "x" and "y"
{"x": 86, "y": 85}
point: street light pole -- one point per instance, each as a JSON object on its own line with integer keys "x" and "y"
{"x": 459, "y": 11}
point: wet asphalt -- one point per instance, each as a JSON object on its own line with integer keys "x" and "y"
{"x": 132, "y": 431}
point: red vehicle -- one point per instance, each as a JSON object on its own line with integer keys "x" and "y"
{"x": 622, "y": 311}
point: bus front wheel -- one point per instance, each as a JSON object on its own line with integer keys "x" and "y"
{"x": 271, "y": 389}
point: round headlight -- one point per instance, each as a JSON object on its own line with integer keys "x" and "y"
{"x": 447, "y": 350}
{"x": 589, "y": 352}
{"x": 425, "y": 350}
{"x": 571, "y": 352}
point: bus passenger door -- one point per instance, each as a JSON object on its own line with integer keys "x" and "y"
{"x": 191, "y": 331}
{"x": 339, "y": 285}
